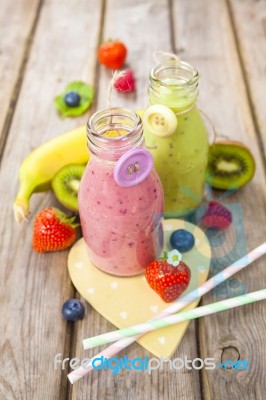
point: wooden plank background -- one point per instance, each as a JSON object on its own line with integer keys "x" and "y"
{"x": 17, "y": 26}
{"x": 43, "y": 47}
{"x": 249, "y": 22}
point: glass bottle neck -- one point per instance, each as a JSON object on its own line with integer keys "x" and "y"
{"x": 174, "y": 84}
{"x": 114, "y": 131}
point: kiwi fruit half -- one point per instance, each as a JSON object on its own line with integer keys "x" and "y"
{"x": 230, "y": 165}
{"x": 66, "y": 183}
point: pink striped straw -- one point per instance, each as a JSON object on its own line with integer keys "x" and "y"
{"x": 116, "y": 347}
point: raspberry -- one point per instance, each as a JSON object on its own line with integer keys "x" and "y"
{"x": 126, "y": 83}
{"x": 216, "y": 216}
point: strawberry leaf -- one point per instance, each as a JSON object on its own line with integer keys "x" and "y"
{"x": 65, "y": 219}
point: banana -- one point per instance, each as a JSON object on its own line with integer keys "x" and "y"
{"x": 39, "y": 167}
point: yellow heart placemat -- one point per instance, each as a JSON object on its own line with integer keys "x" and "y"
{"x": 125, "y": 301}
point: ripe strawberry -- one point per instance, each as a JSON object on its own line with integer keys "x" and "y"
{"x": 167, "y": 280}
{"x": 53, "y": 231}
{"x": 126, "y": 83}
{"x": 112, "y": 54}
{"x": 216, "y": 216}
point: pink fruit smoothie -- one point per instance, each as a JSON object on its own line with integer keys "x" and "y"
{"x": 120, "y": 225}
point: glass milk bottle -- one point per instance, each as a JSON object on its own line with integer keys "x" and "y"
{"x": 176, "y": 135}
{"x": 120, "y": 196}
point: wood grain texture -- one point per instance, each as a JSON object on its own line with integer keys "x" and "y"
{"x": 204, "y": 37}
{"x": 249, "y": 19}
{"x": 144, "y": 27}
{"x": 34, "y": 286}
{"x": 17, "y": 21}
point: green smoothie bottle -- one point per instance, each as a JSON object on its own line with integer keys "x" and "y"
{"x": 176, "y": 135}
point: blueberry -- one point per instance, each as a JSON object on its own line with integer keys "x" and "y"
{"x": 73, "y": 310}
{"x": 72, "y": 99}
{"x": 182, "y": 240}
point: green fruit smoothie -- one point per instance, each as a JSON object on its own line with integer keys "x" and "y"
{"x": 176, "y": 136}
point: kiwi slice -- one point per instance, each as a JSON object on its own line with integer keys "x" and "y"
{"x": 66, "y": 183}
{"x": 230, "y": 165}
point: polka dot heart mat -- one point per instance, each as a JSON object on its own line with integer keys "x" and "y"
{"x": 130, "y": 300}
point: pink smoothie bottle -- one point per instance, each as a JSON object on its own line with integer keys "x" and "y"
{"x": 120, "y": 196}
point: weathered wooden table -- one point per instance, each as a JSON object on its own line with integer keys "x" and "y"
{"x": 44, "y": 44}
